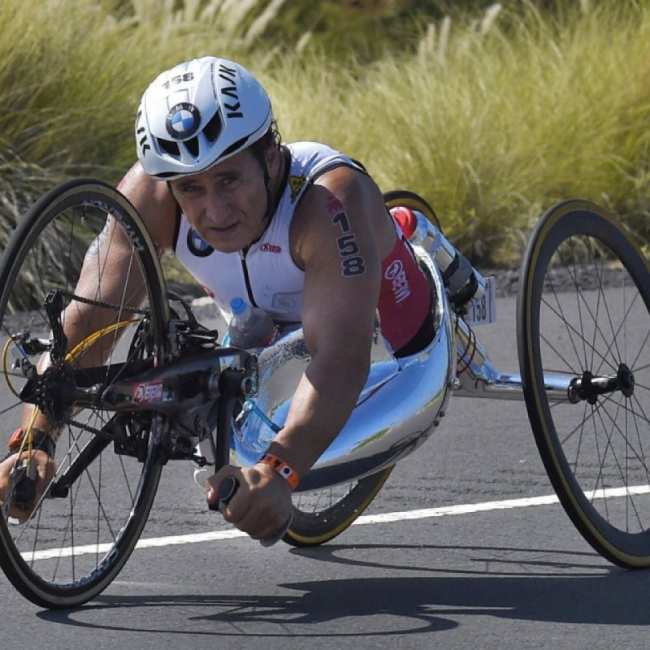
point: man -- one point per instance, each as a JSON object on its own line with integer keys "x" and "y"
{"x": 298, "y": 230}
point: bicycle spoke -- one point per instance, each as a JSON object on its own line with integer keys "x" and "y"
{"x": 569, "y": 435}
{"x": 609, "y": 318}
{"x": 578, "y": 297}
{"x": 11, "y": 407}
{"x": 618, "y": 429}
{"x": 623, "y": 320}
{"x": 16, "y": 375}
{"x": 67, "y": 529}
{"x": 34, "y": 545}
{"x": 644, "y": 416}
{"x": 557, "y": 352}
{"x": 544, "y": 301}
{"x": 99, "y": 480}
{"x": 641, "y": 416}
{"x": 609, "y": 347}
{"x": 564, "y": 320}
{"x": 638, "y": 435}
{"x": 594, "y": 318}
{"x": 597, "y": 270}
{"x": 618, "y": 465}
{"x": 582, "y": 427}
{"x": 633, "y": 364}
{"x": 600, "y": 464}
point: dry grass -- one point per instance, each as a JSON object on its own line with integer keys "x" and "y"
{"x": 491, "y": 119}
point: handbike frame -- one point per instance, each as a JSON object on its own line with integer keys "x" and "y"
{"x": 401, "y": 404}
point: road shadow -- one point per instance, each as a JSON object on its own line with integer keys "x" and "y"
{"x": 497, "y": 561}
{"x": 574, "y": 588}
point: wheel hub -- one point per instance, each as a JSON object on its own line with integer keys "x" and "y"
{"x": 588, "y": 387}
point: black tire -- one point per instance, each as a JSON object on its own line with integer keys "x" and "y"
{"x": 72, "y": 547}
{"x": 594, "y": 332}
{"x": 321, "y": 515}
{"x": 411, "y": 200}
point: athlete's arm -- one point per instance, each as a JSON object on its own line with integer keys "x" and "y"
{"x": 108, "y": 259}
{"x": 108, "y": 269}
{"x": 340, "y": 250}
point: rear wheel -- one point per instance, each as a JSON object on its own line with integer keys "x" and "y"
{"x": 321, "y": 515}
{"x": 84, "y": 527}
{"x": 584, "y": 314}
{"x": 406, "y": 199}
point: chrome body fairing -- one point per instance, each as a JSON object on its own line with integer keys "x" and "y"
{"x": 401, "y": 403}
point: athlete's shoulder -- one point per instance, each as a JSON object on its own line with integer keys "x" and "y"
{"x": 342, "y": 189}
{"x": 305, "y": 155}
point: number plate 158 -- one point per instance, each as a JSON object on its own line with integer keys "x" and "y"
{"x": 483, "y": 310}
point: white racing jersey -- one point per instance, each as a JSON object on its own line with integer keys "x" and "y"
{"x": 266, "y": 275}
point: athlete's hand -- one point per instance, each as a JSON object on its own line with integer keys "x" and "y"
{"x": 45, "y": 469}
{"x": 261, "y": 506}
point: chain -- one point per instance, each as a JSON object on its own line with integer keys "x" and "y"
{"x": 97, "y": 303}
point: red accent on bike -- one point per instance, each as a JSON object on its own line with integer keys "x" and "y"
{"x": 404, "y": 298}
{"x": 16, "y": 439}
{"x": 406, "y": 219}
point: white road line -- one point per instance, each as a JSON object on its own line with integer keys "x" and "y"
{"x": 386, "y": 517}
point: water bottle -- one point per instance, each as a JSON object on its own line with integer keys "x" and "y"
{"x": 250, "y": 327}
{"x": 462, "y": 280}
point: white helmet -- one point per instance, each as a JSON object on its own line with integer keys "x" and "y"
{"x": 198, "y": 114}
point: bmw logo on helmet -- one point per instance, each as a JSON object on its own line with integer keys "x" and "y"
{"x": 183, "y": 120}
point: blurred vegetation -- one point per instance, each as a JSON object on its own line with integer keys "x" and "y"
{"x": 491, "y": 111}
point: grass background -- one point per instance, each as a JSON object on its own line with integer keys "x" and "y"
{"x": 493, "y": 112}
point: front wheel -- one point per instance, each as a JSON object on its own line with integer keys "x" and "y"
{"x": 584, "y": 315}
{"x": 81, "y": 532}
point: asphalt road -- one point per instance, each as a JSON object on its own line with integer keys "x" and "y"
{"x": 517, "y": 577}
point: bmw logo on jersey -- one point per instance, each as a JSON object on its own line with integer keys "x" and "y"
{"x": 183, "y": 120}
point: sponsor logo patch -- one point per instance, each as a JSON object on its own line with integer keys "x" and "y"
{"x": 232, "y": 103}
{"x": 148, "y": 393}
{"x": 296, "y": 183}
{"x": 266, "y": 247}
{"x": 183, "y": 120}
{"x": 197, "y": 245}
{"x": 396, "y": 274}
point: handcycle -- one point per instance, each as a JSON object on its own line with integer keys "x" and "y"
{"x": 168, "y": 390}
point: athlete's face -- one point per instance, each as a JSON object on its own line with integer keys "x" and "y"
{"x": 226, "y": 204}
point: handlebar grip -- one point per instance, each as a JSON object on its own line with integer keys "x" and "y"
{"x": 24, "y": 493}
{"x": 227, "y": 489}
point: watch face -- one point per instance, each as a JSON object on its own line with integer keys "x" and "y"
{"x": 197, "y": 245}
{"x": 183, "y": 121}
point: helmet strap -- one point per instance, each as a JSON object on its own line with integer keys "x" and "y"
{"x": 270, "y": 203}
